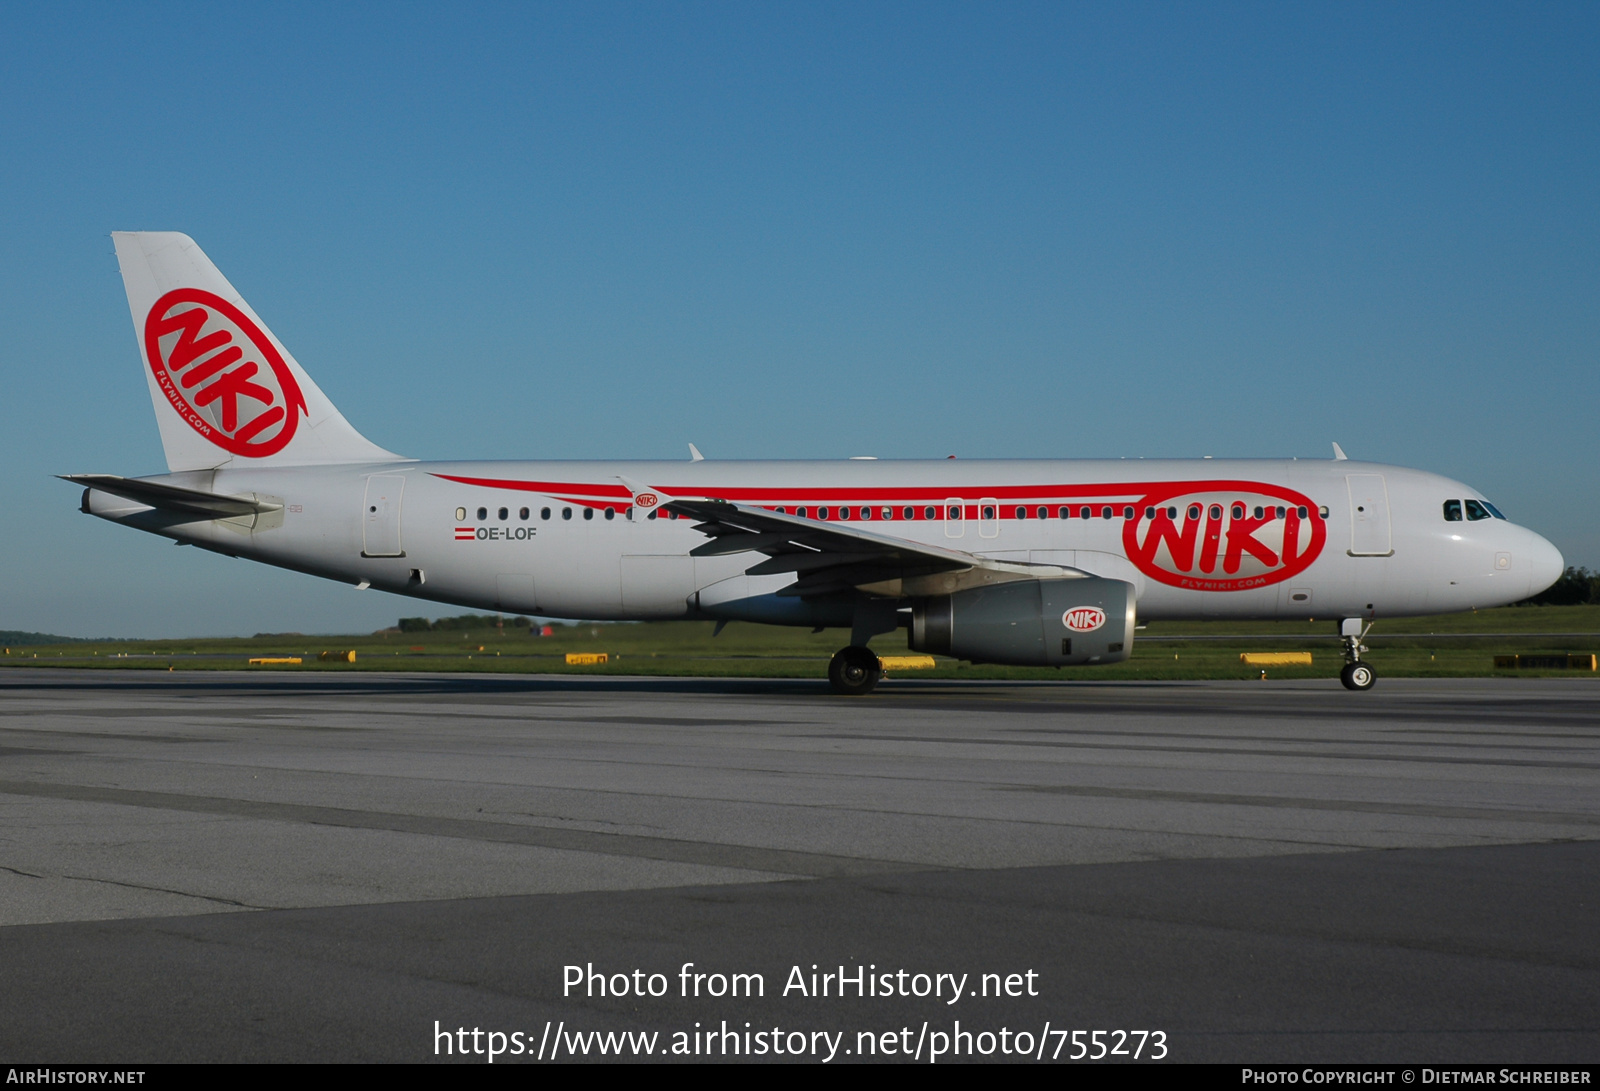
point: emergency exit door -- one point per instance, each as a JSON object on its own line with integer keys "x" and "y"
{"x": 380, "y": 535}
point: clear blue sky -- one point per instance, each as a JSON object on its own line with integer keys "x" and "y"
{"x": 803, "y": 231}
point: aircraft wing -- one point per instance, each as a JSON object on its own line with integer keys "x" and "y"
{"x": 830, "y": 556}
{"x": 173, "y": 497}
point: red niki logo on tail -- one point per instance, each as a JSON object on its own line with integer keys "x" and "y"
{"x": 222, "y": 373}
{"x": 1224, "y": 535}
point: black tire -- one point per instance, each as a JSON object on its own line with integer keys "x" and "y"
{"x": 854, "y": 671}
{"x": 1358, "y": 676}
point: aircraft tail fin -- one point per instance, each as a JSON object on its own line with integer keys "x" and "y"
{"x": 226, "y": 391}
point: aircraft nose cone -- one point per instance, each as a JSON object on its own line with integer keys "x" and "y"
{"x": 1545, "y": 564}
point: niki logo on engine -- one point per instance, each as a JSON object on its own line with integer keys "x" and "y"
{"x": 221, "y": 373}
{"x": 1223, "y": 535}
{"x": 1084, "y": 619}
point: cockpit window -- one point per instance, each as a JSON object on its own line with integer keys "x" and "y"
{"x": 1476, "y": 511}
{"x": 1452, "y": 511}
{"x": 1494, "y": 511}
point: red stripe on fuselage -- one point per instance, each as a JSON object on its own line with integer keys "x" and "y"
{"x": 1006, "y": 497}
{"x": 581, "y": 493}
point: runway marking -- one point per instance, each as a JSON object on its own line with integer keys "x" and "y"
{"x": 710, "y": 854}
{"x": 125, "y": 736}
{"x": 1545, "y": 711}
{"x": 1426, "y": 759}
{"x": 1514, "y": 740}
{"x": 255, "y": 717}
{"x": 1419, "y": 810}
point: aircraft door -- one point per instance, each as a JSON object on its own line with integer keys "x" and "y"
{"x": 1370, "y": 533}
{"x": 380, "y": 535}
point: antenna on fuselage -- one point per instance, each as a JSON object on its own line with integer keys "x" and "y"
{"x": 1339, "y": 455}
{"x": 695, "y": 455}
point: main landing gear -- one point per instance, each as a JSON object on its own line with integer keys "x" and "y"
{"x": 854, "y": 671}
{"x": 1356, "y": 674}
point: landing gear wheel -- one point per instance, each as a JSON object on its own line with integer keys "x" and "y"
{"x": 1358, "y": 675}
{"x": 854, "y": 671}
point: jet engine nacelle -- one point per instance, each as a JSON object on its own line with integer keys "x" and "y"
{"x": 1029, "y": 623}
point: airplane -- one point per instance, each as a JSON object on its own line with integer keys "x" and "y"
{"x": 1031, "y": 563}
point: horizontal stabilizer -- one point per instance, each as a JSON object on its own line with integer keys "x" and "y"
{"x": 172, "y": 497}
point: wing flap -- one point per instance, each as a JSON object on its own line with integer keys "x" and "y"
{"x": 831, "y": 557}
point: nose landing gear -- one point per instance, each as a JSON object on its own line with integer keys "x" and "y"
{"x": 1356, "y": 674}
{"x": 854, "y": 671}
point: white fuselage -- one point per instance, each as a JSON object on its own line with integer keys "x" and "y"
{"x": 1196, "y": 539}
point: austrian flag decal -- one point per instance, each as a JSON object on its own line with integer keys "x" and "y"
{"x": 222, "y": 373}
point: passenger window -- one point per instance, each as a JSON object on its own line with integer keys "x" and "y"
{"x": 1194, "y": 511}
{"x": 566, "y": 513}
{"x": 652, "y": 515}
{"x": 1260, "y": 511}
{"x": 611, "y": 513}
{"x": 483, "y": 513}
{"x": 1452, "y": 511}
{"x": 1301, "y": 511}
{"x": 1022, "y": 513}
{"x": 955, "y": 513}
{"x": 929, "y": 513}
{"x": 1066, "y": 513}
{"x": 801, "y": 512}
{"x": 822, "y": 513}
{"x": 522, "y": 513}
{"x": 779, "y": 509}
{"x": 1280, "y": 511}
{"x": 588, "y": 513}
{"x": 544, "y": 513}
{"x": 1172, "y": 513}
{"x": 1105, "y": 513}
{"x": 1476, "y": 511}
{"x": 1149, "y": 513}
{"x": 1127, "y": 513}
{"x": 504, "y": 513}
{"x": 1238, "y": 511}
{"x": 988, "y": 511}
{"x": 461, "y": 515}
{"x": 1088, "y": 512}
{"x": 1044, "y": 513}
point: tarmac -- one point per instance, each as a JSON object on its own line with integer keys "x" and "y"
{"x": 281, "y": 866}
